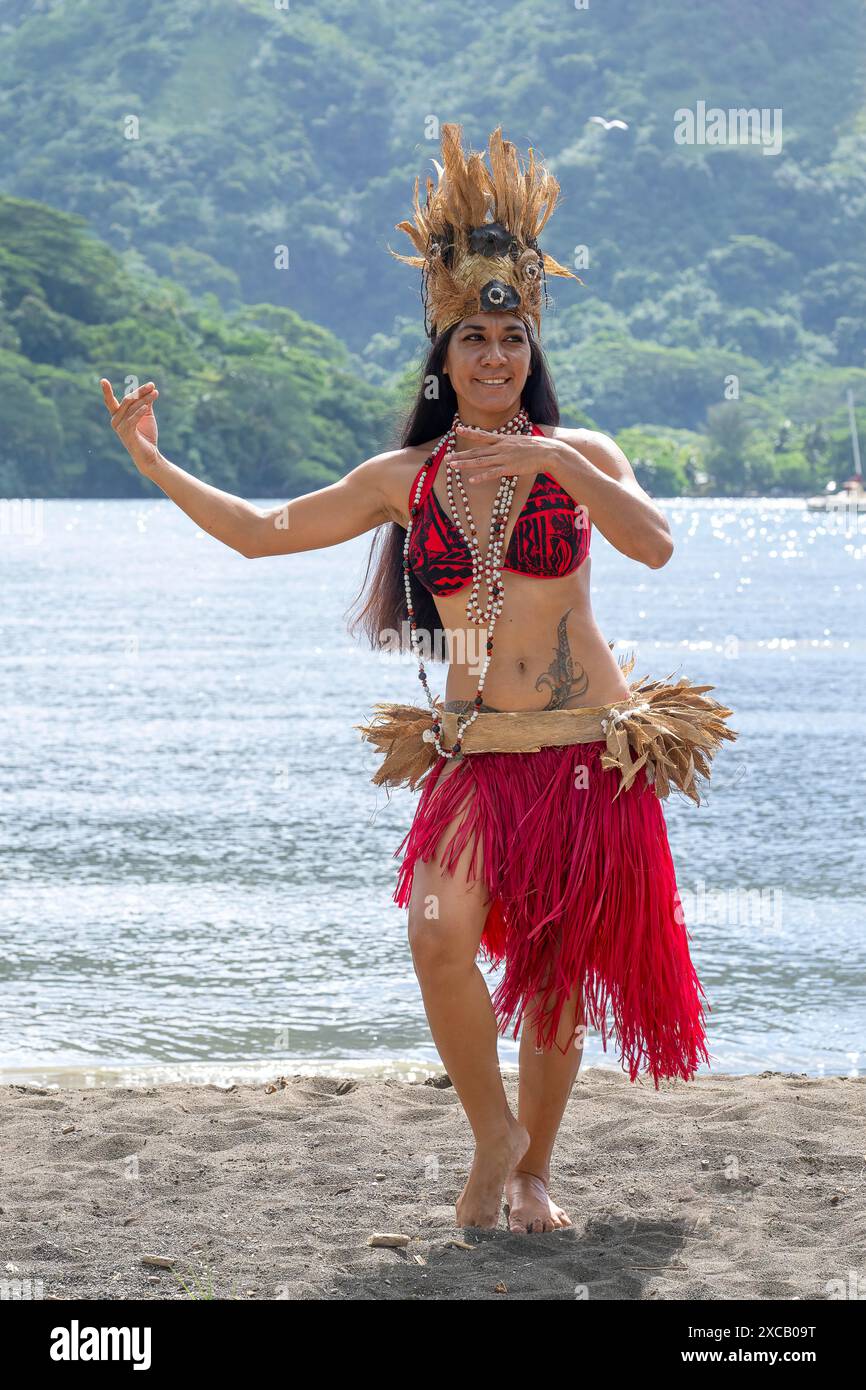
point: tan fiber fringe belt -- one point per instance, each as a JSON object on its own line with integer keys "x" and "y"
{"x": 672, "y": 730}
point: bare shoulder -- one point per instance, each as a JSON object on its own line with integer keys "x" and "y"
{"x": 600, "y": 449}
{"x": 392, "y": 474}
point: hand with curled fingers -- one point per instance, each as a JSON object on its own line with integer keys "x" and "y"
{"x": 135, "y": 423}
{"x": 483, "y": 454}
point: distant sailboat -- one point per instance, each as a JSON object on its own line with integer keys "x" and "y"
{"x": 852, "y": 493}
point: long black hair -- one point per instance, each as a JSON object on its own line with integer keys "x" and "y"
{"x": 384, "y": 617}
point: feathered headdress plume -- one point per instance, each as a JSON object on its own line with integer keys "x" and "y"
{"x": 477, "y": 233}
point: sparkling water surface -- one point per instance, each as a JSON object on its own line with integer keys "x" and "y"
{"x": 197, "y": 870}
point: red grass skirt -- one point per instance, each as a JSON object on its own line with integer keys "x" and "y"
{"x": 583, "y": 895}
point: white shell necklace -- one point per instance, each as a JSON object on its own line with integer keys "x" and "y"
{"x": 487, "y": 568}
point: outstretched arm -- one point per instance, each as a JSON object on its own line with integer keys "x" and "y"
{"x": 347, "y": 508}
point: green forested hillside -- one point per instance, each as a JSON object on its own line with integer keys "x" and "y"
{"x": 197, "y": 140}
{"x": 256, "y": 400}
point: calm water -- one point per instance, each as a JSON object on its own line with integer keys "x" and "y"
{"x": 197, "y": 871}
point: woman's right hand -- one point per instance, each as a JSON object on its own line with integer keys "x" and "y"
{"x": 347, "y": 508}
{"x": 135, "y": 423}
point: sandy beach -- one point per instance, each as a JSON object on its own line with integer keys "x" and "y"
{"x": 725, "y": 1187}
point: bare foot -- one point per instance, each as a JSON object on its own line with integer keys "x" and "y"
{"x": 529, "y": 1207}
{"x": 478, "y": 1203}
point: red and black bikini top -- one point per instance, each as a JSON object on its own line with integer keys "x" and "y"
{"x": 550, "y": 539}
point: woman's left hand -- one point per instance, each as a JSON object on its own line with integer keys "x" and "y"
{"x": 497, "y": 455}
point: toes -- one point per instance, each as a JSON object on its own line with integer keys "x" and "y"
{"x": 516, "y": 1222}
{"x": 536, "y": 1225}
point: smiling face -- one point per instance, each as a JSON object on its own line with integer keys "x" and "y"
{"x": 488, "y": 361}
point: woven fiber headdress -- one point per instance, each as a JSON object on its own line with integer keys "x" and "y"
{"x": 477, "y": 234}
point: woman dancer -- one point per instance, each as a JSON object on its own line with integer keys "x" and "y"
{"x": 539, "y": 837}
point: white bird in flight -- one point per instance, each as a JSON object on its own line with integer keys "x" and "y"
{"x": 609, "y": 125}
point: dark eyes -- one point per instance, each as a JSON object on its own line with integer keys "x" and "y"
{"x": 517, "y": 337}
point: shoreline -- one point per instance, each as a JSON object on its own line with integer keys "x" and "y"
{"x": 138, "y": 1075}
{"x": 223, "y": 1074}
